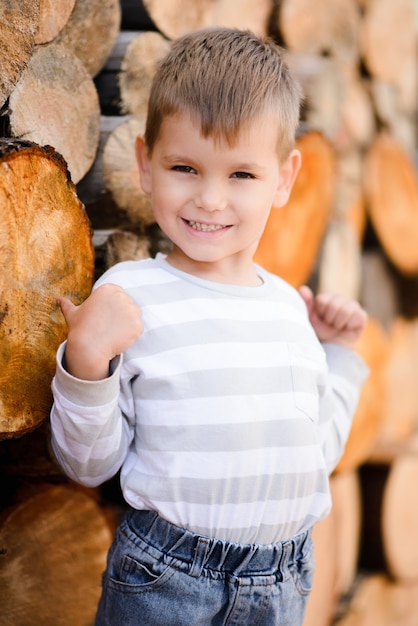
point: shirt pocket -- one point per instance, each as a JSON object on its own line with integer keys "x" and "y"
{"x": 306, "y": 363}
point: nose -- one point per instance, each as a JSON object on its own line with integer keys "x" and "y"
{"x": 212, "y": 195}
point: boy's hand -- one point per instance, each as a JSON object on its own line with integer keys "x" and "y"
{"x": 103, "y": 326}
{"x": 334, "y": 317}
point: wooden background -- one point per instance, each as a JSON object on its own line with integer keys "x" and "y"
{"x": 76, "y": 78}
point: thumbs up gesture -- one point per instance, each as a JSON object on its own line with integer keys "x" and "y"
{"x": 334, "y": 317}
{"x": 100, "y": 328}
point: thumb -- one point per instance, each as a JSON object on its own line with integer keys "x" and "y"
{"x": 66, "y": 306}
{"x": 307, "y": 295}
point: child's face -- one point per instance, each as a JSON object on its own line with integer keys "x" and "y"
{"x": 213, "y": 200}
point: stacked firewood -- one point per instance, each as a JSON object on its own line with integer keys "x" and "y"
{"x": 74, "y": 82}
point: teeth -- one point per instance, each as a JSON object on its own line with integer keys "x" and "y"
{"x": 205, "y": 227}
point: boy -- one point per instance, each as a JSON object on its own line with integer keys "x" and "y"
{"x": 233, "y": 398}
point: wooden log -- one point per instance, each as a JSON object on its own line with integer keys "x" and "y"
{"x": 52, "y": 19}
{"x": 120, "y": 171}
{"x": 379, "y": 601}
{"x": 91, "y": 32}
{"x": 102, "y": 210}
{"x": 389, "y": 540}
{"x": 138, "y": 69}
{"x": 251, "y": 14}
{"x": 176, "y": 17}
{"x": 349, "y": 199}
{"x": 55, "y": 103}
{"x": 19, "y": 21}
{"x": 323, "y": 84}
{"x": 107, "y": 80}
{"x": 391, "y": 187}
{"x": 389, "y": 47}
{"x": 322, "y": 600}
{"x": 400, "y": 124}
{"x": 379, "y": 294}
{"x": 293, "y": 233}
{"x": 372, "y": 346}
{"x": 347, "y": 512}
{"x": 358, "y": 116}
{"x": 336, "y": 541}
{"x": 126, "y": 246}
{"x": 331, "y": 28}
{"x": 400, "y": 515}
{"x": 400, "y": 410}
{"x": 340, "y": 261}
{"x": 46, "y": 252}
{"x": 53, "y": 553}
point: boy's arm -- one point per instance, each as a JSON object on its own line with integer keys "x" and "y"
{"x": 338, "y": 321}
{"x": 90, "y": 437}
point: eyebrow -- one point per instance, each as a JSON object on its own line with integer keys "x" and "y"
{"x": 180, "y": 158}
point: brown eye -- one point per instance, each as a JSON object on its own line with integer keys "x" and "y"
{"x": 184, "y": 168}
{"x": 243, "y": 175}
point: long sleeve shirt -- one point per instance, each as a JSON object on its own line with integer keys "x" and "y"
{"x": 226, "y": 416}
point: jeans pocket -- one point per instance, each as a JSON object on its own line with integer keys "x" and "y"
{"x": 145, "y": 571}
{"x": 133, "y": 564}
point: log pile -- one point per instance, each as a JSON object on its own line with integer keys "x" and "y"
{"x": 73, "y": 90}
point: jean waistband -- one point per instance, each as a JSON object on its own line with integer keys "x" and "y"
{"x": 207, "y": 552}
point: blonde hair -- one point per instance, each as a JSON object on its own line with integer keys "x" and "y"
{"x": 224, "y": 78}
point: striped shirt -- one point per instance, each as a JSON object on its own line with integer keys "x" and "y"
{"x": 226, "y": 416}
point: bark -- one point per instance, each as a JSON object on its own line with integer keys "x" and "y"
{"x": 19, "y": 21}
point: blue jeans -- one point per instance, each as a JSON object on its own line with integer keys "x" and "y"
{"x": 161, "y": 575}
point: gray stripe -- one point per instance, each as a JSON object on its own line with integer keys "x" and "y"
{"x": 262, "y": 534}
{"x": 207, "y": 331}
{"x": 227, "y": 382}
{"x": 229, "y": 491}
{"x": 228, "y": 437}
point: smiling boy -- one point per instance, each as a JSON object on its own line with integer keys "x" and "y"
{"x": 222, "y": 395}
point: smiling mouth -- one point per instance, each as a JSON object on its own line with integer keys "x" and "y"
{"x": 205, "y": 227}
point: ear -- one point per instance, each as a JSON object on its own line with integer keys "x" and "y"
{"x": 288, "y": 172}
{"x": 144, "y": 164}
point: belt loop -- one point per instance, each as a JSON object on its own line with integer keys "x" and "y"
{"x": 200, "y": 553}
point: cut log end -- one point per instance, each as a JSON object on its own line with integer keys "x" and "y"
{"x": 48, "y": 253}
